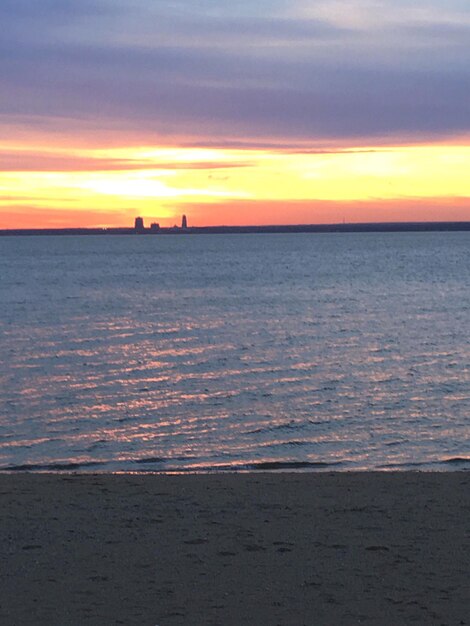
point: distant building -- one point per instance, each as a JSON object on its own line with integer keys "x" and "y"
{"x": 154, "y": 227}
{"x": 139, "y": 225}
{"x": 184, "y": 223}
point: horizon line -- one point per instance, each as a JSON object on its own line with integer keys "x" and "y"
{"x": 337, "y": 226}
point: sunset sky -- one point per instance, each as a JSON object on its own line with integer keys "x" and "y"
{"x": 248, "y": 112}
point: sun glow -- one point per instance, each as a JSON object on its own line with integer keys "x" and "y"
{"x": 161, "y": 182}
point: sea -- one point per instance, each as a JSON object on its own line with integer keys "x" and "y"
{"x": 235, "y": 352}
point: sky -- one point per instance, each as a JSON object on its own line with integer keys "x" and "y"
{"x": 248, "y": 112}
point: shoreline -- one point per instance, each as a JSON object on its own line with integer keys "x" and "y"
{"x": 277, "y": 548}
{"x": 339, "y": 227}
{"x": 144, "y": 466}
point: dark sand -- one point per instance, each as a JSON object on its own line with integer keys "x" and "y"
{"x": 253, "y": 549}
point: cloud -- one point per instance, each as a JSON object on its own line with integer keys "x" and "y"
{"x": 29, "y": 20}
{"x": 210, "y": 72}
{"x": 374, "y": 15}
{"x": 42, "y": 161}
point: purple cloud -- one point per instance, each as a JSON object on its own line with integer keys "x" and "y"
{"x": 165, "y": 69}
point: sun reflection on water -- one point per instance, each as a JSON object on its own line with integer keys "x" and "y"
{"x": 190, "y": 363}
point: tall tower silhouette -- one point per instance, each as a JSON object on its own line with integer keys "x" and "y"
{"x": 184, "y": 223}
{"x": 139, "y": 225}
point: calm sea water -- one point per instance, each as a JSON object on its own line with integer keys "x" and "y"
{"x": 311, "y": 351}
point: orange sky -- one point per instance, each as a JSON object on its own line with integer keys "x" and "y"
{"x": 54, "y": 186}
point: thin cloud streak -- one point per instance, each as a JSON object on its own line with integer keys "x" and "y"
{"x": 24, "y": 161}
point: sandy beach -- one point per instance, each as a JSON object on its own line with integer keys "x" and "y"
{"x": 223, "y": 549}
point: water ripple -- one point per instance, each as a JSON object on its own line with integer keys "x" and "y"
{"x": 186, "y": 354}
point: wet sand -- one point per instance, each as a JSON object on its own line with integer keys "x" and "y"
{"x": 383, "y": 549}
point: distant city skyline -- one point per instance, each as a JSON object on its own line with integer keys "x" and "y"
{"x": 251, "y": 113}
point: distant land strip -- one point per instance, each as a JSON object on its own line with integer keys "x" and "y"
{"x": 380, "y": 227}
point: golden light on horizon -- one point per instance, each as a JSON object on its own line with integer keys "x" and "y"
{"x": 158, "y": 182}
